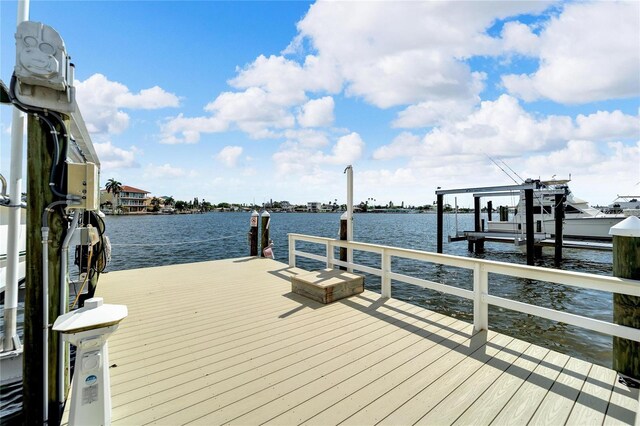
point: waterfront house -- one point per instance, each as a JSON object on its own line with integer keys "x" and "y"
{"x": 128, "y": 200}
{"x": 314, "y": 206}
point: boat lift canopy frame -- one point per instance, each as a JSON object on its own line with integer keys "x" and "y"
{"x": 505, "y": 190}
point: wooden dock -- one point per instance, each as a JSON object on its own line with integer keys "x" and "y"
{"x": 227, "y": 342}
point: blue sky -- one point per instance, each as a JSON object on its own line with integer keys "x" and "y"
{"x": 251, "y": 101}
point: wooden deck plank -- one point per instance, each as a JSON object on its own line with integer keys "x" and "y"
{"x": 491, "y": 401}
{"x": 283, "y": 355}
{"x": 555, "y": 409}
{"x": 466, "y": 393}
{"x": 325, "y": 391}
{"x": 332, "y": 365}
{"x": 452, "y": 372}
{"x": 591, "y": 406}
{"x": 212, "y": 370}
{"x": 227, "y": 342}
{"x": 525, "y": 402}
{"x": 623, "y": 405}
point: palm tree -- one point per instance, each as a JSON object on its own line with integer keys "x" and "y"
{"x": 155, "y": 202}
{"x": 115, "y": 187}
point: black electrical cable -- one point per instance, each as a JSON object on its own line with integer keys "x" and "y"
{"x": 43, "y": 115}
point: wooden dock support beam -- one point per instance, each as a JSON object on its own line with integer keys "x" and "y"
{"x": 253, "y": 234}
{"x": 440, "y": 203}
{"x": 528, "y": 202}
{"x": 39, "y": 196}
{"x": 476, "y": 214}
{"x": 504, "y": 213}
{"x": 626, "y": 309}
{"x": 489, "y": 210}
{"x": 559, "y": 217}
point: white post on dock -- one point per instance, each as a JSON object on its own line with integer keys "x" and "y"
{"x": 349, "y": 172}
{"x": 11, "y": 339}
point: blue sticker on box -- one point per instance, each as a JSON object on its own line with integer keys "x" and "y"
{"x": 90, "y": 380}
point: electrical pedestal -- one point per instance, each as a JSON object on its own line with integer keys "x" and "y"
{"x": 88, "y": 329}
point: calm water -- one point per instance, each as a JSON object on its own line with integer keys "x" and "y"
{"x": 144, "y": 241}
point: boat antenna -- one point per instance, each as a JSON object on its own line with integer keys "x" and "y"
{"x": 503, "y": 170}
{"x": 519, "y": 177}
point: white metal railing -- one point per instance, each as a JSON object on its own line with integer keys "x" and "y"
{"x": 481, "y": 269}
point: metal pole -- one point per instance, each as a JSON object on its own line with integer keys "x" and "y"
{"x": 11, "y": 339}
{"x": 349, "y": 172}
{"x": 64, "y": 303}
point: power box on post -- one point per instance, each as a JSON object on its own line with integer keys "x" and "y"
{"x": 83, "y": 182}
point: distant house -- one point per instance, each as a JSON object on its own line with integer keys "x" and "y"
{"x": 129, "y": 200}
{"x": 314, "y": 206}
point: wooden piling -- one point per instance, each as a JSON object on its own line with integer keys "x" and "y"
{"x": 440, "y": 203}
{"x": 528, "y": 201}
{"x": 39, "y": 195}
{"x": 559, "y": 218}
{"x": 489, "y": 210}
{"x": 504, "y": 213}
{"x": 476, "y": 214}
{"x": 264, "y": 239}
{"x": 626, "y": 309}
{"x": 343, "y": 237}
{"x": 253, "y": 234}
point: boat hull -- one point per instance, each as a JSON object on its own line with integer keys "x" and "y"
{"x": 587, "y": 228}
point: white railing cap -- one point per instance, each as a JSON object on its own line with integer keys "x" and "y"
{"x": 630, "y": 227}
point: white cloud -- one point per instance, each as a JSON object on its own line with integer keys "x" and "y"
{"x": 190, "y": 128}
{"x": 605, "y": 125}
{"x": 295, "y": 158}
{"x": 308, "y": 138}
{"x": 435, "y": 112}
{"x": 399, "y": 53}
{"x": 317, "y": 113}
{"x": 229, "y": 155}
{"x": 164, "y": 171}
{"x": 113, "y": 157}
{"x": 347, "y": 149}
{"x": 519, "y": 38}
{"x": 101, "y": 102}
{"x": 590, "y": 52}
{"x": 502, "y": 128}
{"x": 404, "y": 145}
{"x": 388, "y": 54}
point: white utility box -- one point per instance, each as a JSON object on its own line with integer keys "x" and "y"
{"x": 43, "y": 68}
{"x": 88, "y": 329}
{"x": 83, "y": 182}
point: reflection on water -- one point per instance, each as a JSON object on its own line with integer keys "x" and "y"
{"x": 144, "y": 241}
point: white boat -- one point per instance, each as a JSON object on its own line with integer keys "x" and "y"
{"x": 581, "y": 221}
{"x": 4, "y": 232}
{"x": 10, "y": 359}
{"x": 629, "y": 205}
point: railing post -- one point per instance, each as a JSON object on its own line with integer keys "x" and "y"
{"x": 386, "y": 269}
{"x": 480, "y": 288}
{"x": 292, "y": 251}
{"x": 329, "y": 255}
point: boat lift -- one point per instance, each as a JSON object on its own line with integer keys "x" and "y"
{"x": 478, "y": 236}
